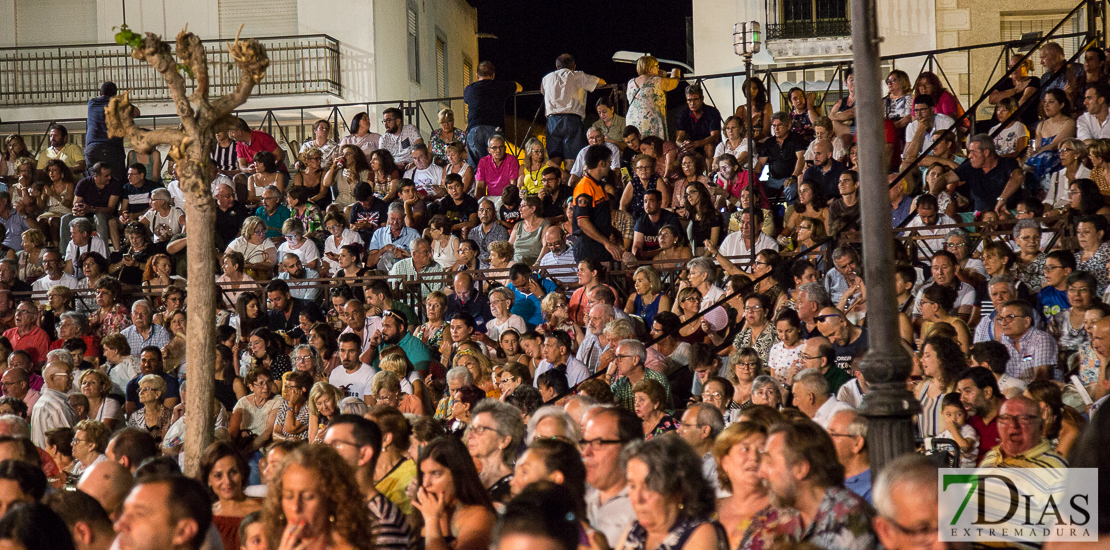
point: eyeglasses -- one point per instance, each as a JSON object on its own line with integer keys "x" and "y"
{"x": 915, "y": 533}
{"x": 805, "y": 357}
{"x": 1007, "y": 319}
{"x": 1024, "y": 420}
{"x": 77, "y": 441}
{"x": 481, "y": 430}
{"x": 619, "y": 357}
{"x": 595, "y": 444}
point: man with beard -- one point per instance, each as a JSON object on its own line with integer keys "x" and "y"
{"x": 645, "y": 240}
{"x": 556, "y": 252}
{"x": 293, "y": 271}
{"x": 981, "y": 397}
{"x": 356, "y": 376}
{"x": 395, "y": 332}
{"x": 553, "y": 195}
{"x": 488, "y": 230}
{"x": 60, "y": 148}
{"x": 799, "y": 470}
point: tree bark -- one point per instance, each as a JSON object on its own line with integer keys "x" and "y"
{"x": 190, "y": 147}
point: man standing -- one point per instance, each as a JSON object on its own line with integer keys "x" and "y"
{"x": 165, "y": 513}
{"x": 595, "y": 137}
{"x": 785, "y": 155}
{"x": 424, "y": 173}
{"x": 1032, "y": 351}
{"x": 399, "y": 138}
{"x": 355, "y": 377}
{"x": 592, "y": 215}
{"x": 53, "y": 409}
{"x": 556, "y": 355}
{"x": 981, "y": 397}
{"x": 496, "y": 171}
{"x": 1095, "y": 123}
{"x": 699, "y": 125}
{"x": 419, "y": 266}
{"x": 797, "y": 469}
{"x": 359, "y": 442}
{"x": 825, "y": 170}
{"x": 58, "y": 147}
{"x": 848, "y": 431}
{"x": 991, "y": 180}
{"x": 27, "y": 335}
{"x": 608, "y": 506}
{"x": 906, "y": 504}
{"x": 488, "y": 230}
{"x": 98, "y": 146}
{"x": 564, "y": 101}
{"x": 701, "y": 424}
{"x": 485, "y": 101}
{"x": 812, "y": 396}
{"x": 645, "y": 240}
{"x": 95, "y": 196}
{"x": 1023, "y": 443}
{"x": 143, "y": 332}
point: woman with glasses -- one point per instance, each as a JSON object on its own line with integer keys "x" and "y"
{"x": 349, "y": 169}
{"x": 649, "y": 404}
{"x": 253, "y": 417}
{"x": 744, "y": 366}
{"x": 735, "y": 140}
{"x": 466, "y": 258}
{"x": 292, "y": 420}
{"x": 298, "y": 244}
{"x": 90, "y": 439}
{"x": 643, "y": 179}
{"x": 311, "y": 176}
{"x": 492, "y": 438}
{"x": 266, "y": 352}
{"x": 463, "y": 402}
{"x": 1072, "y": 154}
{"x": 688, "y": 304}
{"x": 693, "y": 171}
{"x": 513, "y": 375}
{"x": 758, "y": 334}
{"x": 154, "y": 417}
{"x": 501, "y": 305}
{"x": 445, "y": 244}
{"x": 259, "y": 253}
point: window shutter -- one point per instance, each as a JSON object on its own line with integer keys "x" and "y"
{"x": 441, "y": 68}
{"x": 280, "y": 17}
{"x": 414, "y": 45}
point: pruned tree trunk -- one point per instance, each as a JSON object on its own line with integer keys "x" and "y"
{"x": 191, "y": 145}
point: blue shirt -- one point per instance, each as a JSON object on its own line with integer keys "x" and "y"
{"x": 900, "y": 214}
{"x": 527, "y": 306}
{"x": 275, "y": 221}
{"x": 860, "y": 485}
{"x": 382, "y": 237}
{"x": 1052, "y": 301}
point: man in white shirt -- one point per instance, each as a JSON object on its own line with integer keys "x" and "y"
{"x": 355, "y": 377}
{"x": 594, "y": 137}
{"x": 925, "y": 121}
{"x": 425, "y": 174}
{"x": 1095, "y": 123}
{"x": 556, "y": 355}
{"x": 811, "y": 396}
{"x": 81, "y": 240}
{"x": 927, "y": 216}
{"x": 359, "y": 324}
{"x": 399, "y": 138}
{"x": 55, "y": 275}
{"x": 564, "y": 100}
{"x": 739, "y": 243}
{"x": 53, "y": 409}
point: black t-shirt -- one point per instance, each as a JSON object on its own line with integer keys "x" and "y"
{"x": 133, "y": 275}
{"x": 1029, "y": 116}
{"x": 457, "y": 213}
{"x": 229, "y": 224}
{"x": 702, "y": 230}
{"x": 553, "y": 206}
{"x": 709, "y": 122}
{"x": 650, "y": 229}
{"x": 845, "y": 354}
{"x": 486, "y": 101}
{"x": 509, "y": 215}
{"x": 376, "y": 214}
{"x": 94, "y": 196}
{"x": 138, "y": 200}
{"x": 986, "y": 188}
{"x": 782, "y": 158}
{"x": 829, "y": 182}
{"x": 591, "y": 203}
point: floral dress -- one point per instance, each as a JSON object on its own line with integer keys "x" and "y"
{"x": 762, "y": 344}
{"x": 439, "y": 147}
{"x": 1045, "y": 162}
{"x": 30, "y": 269}
{"x": 897, "y": 109}
{"x": 647, "y": 107}
{"x": 676, "y": 538}
{"x": 636, "y": 205}
{"x": 431, "y": 337}
{"x": 111, "y": 323}
{"x": 666, "y": 424}
{"x": 1096, "y": 264}
{"x": 311, "y": 219}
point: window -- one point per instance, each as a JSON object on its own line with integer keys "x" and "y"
{"x": 280, "y": 19}
{"x": 808, "y": 18}
{"x": 441, "y": 67}
{"x": 1014, "y": 24}
{"x": 414, "y": 43}
{"x": 468, "y": 77}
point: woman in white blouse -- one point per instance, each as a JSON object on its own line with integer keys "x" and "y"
{"x": 96, "y": 385}
{"x": 444, "y": 244}
{"x": 259, "y": 253}
{"x": 339, "y": 235}
{"x": 296, "y": 243}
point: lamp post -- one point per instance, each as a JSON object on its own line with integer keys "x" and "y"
{"x": 745, "y": 43}
{"x": 889, "y": 406}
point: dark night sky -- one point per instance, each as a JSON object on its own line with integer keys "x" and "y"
{"x": 532, "y": 33}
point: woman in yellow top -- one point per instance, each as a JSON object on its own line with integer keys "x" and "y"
{"x": 936, "y": 303}
{"x": 531, "y": 167}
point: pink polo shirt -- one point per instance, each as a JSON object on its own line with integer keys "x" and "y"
{"x": 497, "y": 177}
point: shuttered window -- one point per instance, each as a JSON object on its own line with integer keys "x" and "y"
{"x": 468, "y": 72}
{"x": 46, "y": 22}
{"x": 414, "y": 43}
{"x": 441, "y": 67}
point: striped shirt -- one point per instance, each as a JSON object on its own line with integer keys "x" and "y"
{"x": 224, "y": 157}
{"x": 1040, "y": 456}
{"x": 390, "y": 529}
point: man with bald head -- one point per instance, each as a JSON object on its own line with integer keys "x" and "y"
{"x": 848, "y": 340}
{"x": 468, "y": 299}
{"x": 906, "y": 505}
{"x": 108, "y": 482}
{"x": 826, "y": 170}
{"x": 849, "y": 435}
{"x": 1023, "y": 443}
{"x": 17, "y": 383}
{"x": 53, "y": 409}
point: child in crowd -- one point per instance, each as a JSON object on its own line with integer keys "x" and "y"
{"x": 958, "y": 430}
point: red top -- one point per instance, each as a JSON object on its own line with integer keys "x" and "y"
{"x": 36, "y": 343}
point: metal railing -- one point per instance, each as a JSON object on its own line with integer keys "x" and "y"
{"x": 54, "y": 75}
{"x": 821, "y": 28}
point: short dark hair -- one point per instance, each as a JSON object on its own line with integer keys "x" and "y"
{"x": 562, "y": 337}
{"x": 1101, "y": 89}
{"x": 631, "y": 130}
{"x": 629, "y": 426}
{"x": 982, "y": 378}
{"x": 805, "y": 440}
{"x": 993, "y": 353}
{"x": 1065, "y": 257}
{"x": 393, "y": 111}
{"x": 277, "y": 285}
{"x": 78, "y": 506}
{"x": 30, "y": 478}
{"x": 597, "y": 154}
{"x": 188, "y": 498}
{"x": 924, "y": 99}
{"x": 543, "y": 510}
{"x": 554, "y": 379}
{"x": 927, "y": 200}
{"x": 486, "y": 69}
{"x": 135, "y": 444}
{"x": 350, "y": 337}
{"x": 365, "y": 432}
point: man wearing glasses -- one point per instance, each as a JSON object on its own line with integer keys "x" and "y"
{"x": 1033, "y": 352}
{"x": 906, "y": 504}
{"x": 1023, "y": 443}
{"x": 230, "y": 214}
{"x": 785, "y": 155}
{"x": 27, "y": 335}
{"x": 273, "y": 213}
{"x": 495, "y": 171}
{"x": 399, "y": 138}
{"x": 608, "y": 506}
{"x": 53, "y": 409}
{"x": 920, "y": 131}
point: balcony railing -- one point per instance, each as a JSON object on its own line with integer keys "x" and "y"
{"x": 53, "y": 75}
{"x": 821, "y": 28}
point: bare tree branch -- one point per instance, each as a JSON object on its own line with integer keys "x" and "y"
{"x": 121, "y": 124}
{"x": 191, "y": 52}
{"x": 250, "y": 56}
{"x": 156, "y": 52}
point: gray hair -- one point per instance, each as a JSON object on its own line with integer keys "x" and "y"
{"x": 60, "y": 356}
{"x": 1026, "y": 224}
{"x": 574, "y": 433}
{"x": 636, "y": 348}
{"x": 505, "y": 293}
{"x": 352, "y": 405}
{"x": 844, "y": 250}
{"x": 813, "y": 380}
{"x": 396, "y": 207}
{"x": 593, "y": 129}
{"x": 496, "y": 137}
{"x": 164, "y": 194}
{"x": 317, "y": 361}
{"x": 958, "y": 233}
{"x": 507, "y": 419}
{"x": 143, "y": 303}
{"x": 78, "y": 319}
{"x": 81, "y": 224}
{"x": 419, "y": 241}
{"x": 762, "y": 381}
{"x": 1002, "y": 280}
{"x": 985, "y": 142}
{"x": 619, "y": 329}
{"x": 782, "y": 116}
{"x": 912, "y": 469}
{"x": 11, "y": 424}
{"x": 460, "y": 373}
{"x": 703, "y": 264}
{"x": 709, "y": 415}
{"x": 816, "y": 292}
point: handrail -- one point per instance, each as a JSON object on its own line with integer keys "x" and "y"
{"x": 205, "y": 41}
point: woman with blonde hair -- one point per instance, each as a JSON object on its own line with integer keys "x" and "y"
{"x": 647, "y": 97}
{"x": 318, "y": 475}
{"x": 455, "y": 153}
{"x": 447, "y": 133}
{"x": 535, "y": 160}
{"x": 556, "y": 315}
{"x": 431, "y": 332}
{"x": 1098, "y": 150}
{"x": 649, "y": 298}
{"x": 323, "y": 405}
{"x": 96, "y": 385}
{"x": 259, "y": 253}
{"x": 232, "y": 263}
{"x": 472, "y": 359}
{"x": 311, "y": 177}
{"x": 747, "y": 512}
{"x": 30, "y": 258}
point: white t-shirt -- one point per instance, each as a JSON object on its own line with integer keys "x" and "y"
{"x": 44, "y": 284}
{"x": 307, "y": 251}
{"x": 170, "y": 222}
{"x": 347, "y": 238}
{"x": 426, "y": 179}
{"x": 564, "y": 92}
{"x": 254, "y": 418}
{"x": 96, "y": 244}
{"x": 579, "y": 167}
{"x": 400, "y": 144}
{"x": 174, "y": 187}
{"x": 967, "y": 460}
{"x": 723, "y": 148}
{"x": 494, "y": 329}
{"x": 353, "y": 384}
{"x": 940, "y": 122}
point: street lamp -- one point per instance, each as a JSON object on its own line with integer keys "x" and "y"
{"x": 745, "y": 43}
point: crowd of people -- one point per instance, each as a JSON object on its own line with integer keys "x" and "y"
{"x": 431, "y": 326}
